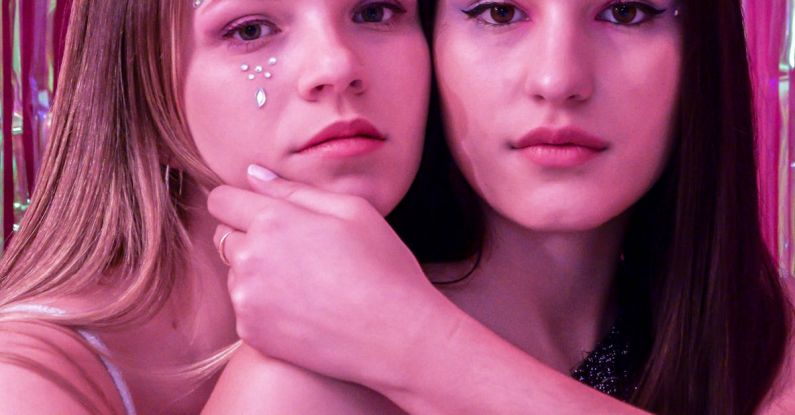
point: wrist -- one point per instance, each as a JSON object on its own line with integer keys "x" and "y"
{"x": 428, "y": 361}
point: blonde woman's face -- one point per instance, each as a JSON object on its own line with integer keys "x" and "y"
{"x": 333, "y": 93}
{"x": 559, "y": 111}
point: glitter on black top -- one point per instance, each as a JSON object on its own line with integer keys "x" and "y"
{"x": 616, "y": 364}
{"x": 611, "y": 366}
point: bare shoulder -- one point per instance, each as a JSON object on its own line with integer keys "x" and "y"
{"x": 259, "y": 384}
{"x": 39, "y": 360}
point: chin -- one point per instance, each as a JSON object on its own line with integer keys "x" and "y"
{"x": 382, "y": 198}
{"x": 560, "y": 219}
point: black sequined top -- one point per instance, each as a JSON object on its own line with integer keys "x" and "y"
{"x": 615, "y": 365}
{"x": 611, "y": 367}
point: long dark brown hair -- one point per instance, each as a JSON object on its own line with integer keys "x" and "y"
{"x": 715, "y": 320}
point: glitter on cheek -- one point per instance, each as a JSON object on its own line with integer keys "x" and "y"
{"x": 260, "y": 95}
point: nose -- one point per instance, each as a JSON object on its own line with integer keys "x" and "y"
{"x": 559, "y": 70}
{"x": 331, "y": 67}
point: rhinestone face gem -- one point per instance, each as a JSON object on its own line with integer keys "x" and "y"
{"x": 258, "y": 69}
{"x": 272, "y": 61}
{"x": 262, "y": 98}
{"x": 197, "y": 3}
{"x": 251, "y": 77}
{"x": 268, "y": 75}
{"x": 244, "y": 67}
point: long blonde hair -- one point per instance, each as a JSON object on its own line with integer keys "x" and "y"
{"x": 101, "y": 212}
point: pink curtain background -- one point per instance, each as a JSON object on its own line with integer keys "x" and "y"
{"x": 769, "y": 27}
{"x": 32, "y": 44}
{"x": 32, "y": 48}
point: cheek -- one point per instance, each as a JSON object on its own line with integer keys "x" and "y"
{"x": 400, "y": 88}
{"x": 222, "y": 113}
{"x": 459, "y": 104}
{"x": 645, "y": 107}
{"x": 205, "y": 102}
{"x": 641, "y": 103}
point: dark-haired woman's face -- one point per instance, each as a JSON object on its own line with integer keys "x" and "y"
{"x": 559, "y": 111}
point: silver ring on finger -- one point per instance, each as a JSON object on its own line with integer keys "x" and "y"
{"x": 222, "y": 246}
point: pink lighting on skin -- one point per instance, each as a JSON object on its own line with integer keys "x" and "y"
{"x": 331, "y": 70}
{"x": 566, "y": 147}
{"x": 345, "y": 139}
{"x": 577, "y": 77}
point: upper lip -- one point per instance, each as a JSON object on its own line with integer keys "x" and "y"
{"x": 567, "y": 136}
{"x": 344, "y": 129}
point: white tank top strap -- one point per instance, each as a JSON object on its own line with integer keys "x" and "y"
{"x": 96, "y": 343}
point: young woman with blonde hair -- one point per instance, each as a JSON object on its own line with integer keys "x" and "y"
{"x": 113, "y": 296}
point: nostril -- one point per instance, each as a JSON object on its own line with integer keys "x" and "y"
{"x": 357, "y": 84}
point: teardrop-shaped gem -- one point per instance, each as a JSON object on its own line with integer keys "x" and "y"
{"x": 262, "y": 98}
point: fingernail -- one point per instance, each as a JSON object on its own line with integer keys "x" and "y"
{"x": 261, "y": 173}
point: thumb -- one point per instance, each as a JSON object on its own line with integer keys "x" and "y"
{"x": 265, "y": 182}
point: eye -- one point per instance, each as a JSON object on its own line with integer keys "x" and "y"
{"x": 377, "y": 13}
{"x": 629, "y": 14}
{"x": 250, "y": 31}
{"x": 496, "y": 14}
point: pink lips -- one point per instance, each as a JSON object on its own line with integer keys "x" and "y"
{"x": 345, "y": 139}
{"x": 560, "y": 148}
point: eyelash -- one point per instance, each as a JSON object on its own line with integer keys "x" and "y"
{"x": 395, "y": 8}
{"x": 647, "y": 10}
{"x": 234, "y": 30}
{"x": 478, "y": 10}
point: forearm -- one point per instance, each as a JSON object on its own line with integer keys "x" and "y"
{"x": 461, "y": 367}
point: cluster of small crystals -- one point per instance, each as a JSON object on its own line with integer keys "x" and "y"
{"x": 258, "y": 69}
{"x": 261, "y": 95}
{"x": 606, "y": 369}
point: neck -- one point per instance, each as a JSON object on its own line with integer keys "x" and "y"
{"x": 196, "y": 322}
{"x": 549, "y": 293}
{"x": 205, "y": 298}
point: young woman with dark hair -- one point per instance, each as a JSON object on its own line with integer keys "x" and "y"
{"x": 612, "y": 149}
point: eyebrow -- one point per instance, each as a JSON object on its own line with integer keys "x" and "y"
{"x": 211, "y": 3}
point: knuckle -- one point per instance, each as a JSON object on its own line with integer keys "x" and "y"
{"x": 289, "y": 191}
{"x": 242, "y": 330}
{"x": 263, "y": 219}
{"x": 358, "y": 207}
{"x": 284, "y": 190}
{"x": 244, "y": 261}
{"x": 217, "y": 196}
{"x": 239, "y": 297}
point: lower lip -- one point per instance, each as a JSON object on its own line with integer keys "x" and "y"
{"x": 345, "y": 147}
{"x": 559, "y": 156}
